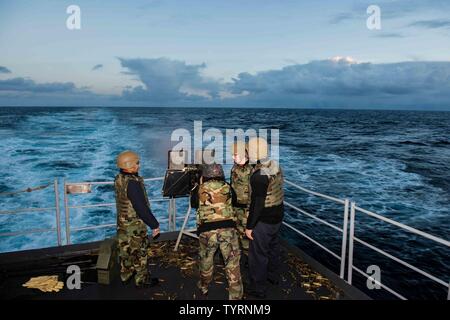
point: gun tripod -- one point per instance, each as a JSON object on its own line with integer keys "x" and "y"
{"x": 182, "y": 230}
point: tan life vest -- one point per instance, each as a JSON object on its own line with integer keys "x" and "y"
{"x": 275, "y": 193}
{"x": 127, "y": 218}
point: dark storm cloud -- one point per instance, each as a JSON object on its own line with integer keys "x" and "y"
{"x": 4, "y": 70}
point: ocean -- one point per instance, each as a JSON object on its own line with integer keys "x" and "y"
{"x": 395, "y": 163}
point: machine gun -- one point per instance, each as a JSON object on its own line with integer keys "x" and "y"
{"x": 182, "y": 179}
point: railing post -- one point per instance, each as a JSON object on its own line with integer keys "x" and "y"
{"x": 174, "y": 215}
{"x": 344, "y": 238}
{"x": 57, "y": 213}
{"x": 350, "y": 243}
{"x": 448, "y": 294}
{"x": 186, "y": 218}
{"x": 66, "y": 208}
{"x": 169, "y": 221}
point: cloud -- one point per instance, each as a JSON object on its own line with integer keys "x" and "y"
{"x": 27, "y": 85}
{"x": 343, "y": 17}
{"x": 344, "y": 83}
{"x": 431, "y": 24}
{"x": 26, "y": 92}
{"x": 4, "y": 70}
{"x": 150, "y": 5}
{"x": 165, "y": 80}
{"x": 339, "y": 82}
{"x": 391, "y": 9}
{"x": 388, "y": 35}
{"x": 97, "y": 67}
{"x": 402, "y": 7}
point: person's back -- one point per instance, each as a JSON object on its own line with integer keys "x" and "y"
{"x": 215, "y": 202}
{"x": 217, "y": 229}
{"x": 240, "y": 183}
{"x": 265, "y": 218}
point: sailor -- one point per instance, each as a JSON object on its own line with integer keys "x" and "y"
{"x": 217, "y": 229}
{"x": 265, "y": 218}
{"x": 239, "y": 181}
{"x": 133, "y": 217}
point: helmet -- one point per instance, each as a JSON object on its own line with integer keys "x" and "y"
{"x": 239, "y": 148}
{"x": 127, "y": 159}
{"x": 257, "y": 149}
{"x": 212, "y": 171}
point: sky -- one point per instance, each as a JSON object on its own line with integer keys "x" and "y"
{"x": 247, "y": 53}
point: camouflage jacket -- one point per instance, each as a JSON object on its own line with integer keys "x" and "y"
{"x": 214, "y": 202}
{"x": 240, "y": 182}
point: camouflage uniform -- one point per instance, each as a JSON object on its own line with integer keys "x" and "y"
{"x": 240, "y": 181}
{"x": 131, "y": 233}
{"x": 215, "y": 207}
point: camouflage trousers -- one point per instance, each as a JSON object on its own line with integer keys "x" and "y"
{"x": 241, "y": 215}
{"x": 227, "y": 241}
{"x": 133, "y": 257}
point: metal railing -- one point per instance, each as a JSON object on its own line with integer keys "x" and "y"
{"x": 342, "y": 230}
{"x": 348, "y": 238}
{"x": 56, "y": 208}
{"x": 351, "y": 238}
{"x": 172, "y": 218}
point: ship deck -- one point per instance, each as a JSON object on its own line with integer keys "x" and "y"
{"x": 301, "y": 277}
